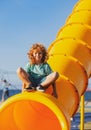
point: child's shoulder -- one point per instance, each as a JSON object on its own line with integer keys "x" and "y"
{"x": 29, "y": 65}
{"x": 46, "y": 64}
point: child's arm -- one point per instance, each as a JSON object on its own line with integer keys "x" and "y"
{"x": 54, "y": 90}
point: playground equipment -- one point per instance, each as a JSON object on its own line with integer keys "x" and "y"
{"x": 70, "y": 55}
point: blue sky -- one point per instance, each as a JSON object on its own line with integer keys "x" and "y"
{"x": 24, "y": 22}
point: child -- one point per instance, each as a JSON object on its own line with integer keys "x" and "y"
{"x": 5, "y": 85}
{"x": 37, "y": 75}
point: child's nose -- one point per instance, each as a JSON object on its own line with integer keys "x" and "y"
{"x": 37, "y": 54}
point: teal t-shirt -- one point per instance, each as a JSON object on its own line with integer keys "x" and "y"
{"x": 38, "y": 72}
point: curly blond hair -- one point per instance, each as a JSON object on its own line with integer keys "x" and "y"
{"x": 38, "y": 47}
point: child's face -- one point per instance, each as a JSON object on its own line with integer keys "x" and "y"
{"x": 37, "y": 55}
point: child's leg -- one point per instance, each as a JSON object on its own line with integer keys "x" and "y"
{"x": 23, "y": 87}
{"x": 7, "y": 93}
{"x": 24, "y": 78}
{"x": 54, "y": 90}
{"x": 3, "y": 95}
{"x": 51, "y": 78}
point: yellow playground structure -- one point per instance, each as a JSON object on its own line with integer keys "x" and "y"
{"x": 70, "y": 55}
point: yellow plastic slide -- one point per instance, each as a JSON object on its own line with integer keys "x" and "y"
{"x": 70, "y": 55}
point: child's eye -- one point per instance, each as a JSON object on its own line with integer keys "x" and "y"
{"x": 40, "y": 53}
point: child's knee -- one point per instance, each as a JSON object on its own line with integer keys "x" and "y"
{"x": 56, "y": 75}
{"x": 19, "y": 70}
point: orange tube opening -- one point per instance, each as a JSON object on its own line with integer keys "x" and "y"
{"x": 33, "y": 111}
{"x": 35, "y": 117}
